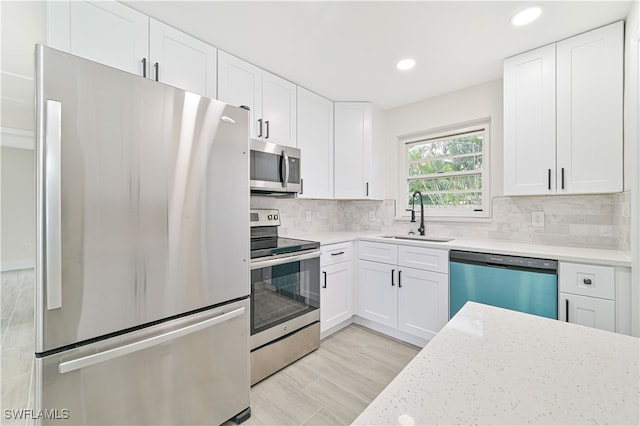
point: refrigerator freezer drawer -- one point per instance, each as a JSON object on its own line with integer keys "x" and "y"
{"x": 193, "y": 370}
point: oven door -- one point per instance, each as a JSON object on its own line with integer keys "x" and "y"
{"x": 285, "y": 295}
{"x": 274, "y": 168}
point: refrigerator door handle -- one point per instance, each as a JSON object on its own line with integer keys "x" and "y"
{"x": 52, "y": 210}
{"x": 87, "y": 361}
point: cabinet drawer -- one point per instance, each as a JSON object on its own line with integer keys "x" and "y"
{"x": 378, "y": 252}
{"x": 587, "y": 280}
{"x": 424, "y": 258}
{"x": 335, "y": 253}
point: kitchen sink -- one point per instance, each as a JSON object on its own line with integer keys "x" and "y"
{"x": 419, "y": 238}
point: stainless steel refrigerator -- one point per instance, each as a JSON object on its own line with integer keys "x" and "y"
{"x": 143, "y": 250}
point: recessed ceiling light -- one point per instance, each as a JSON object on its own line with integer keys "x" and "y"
{"x": 406, "y": 64}
{"x": 526, "y": 16}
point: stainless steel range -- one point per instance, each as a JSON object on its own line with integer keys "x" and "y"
{"x": 285, "y": 296}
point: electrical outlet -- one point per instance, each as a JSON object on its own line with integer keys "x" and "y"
{"x": 537, "y": 218}
{"x": 372, "y": 215}
{"x": 307, "y": 216}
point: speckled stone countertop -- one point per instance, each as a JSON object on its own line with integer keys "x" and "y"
{"x": 566, "y": 254}
{"x": 494, "y": 366}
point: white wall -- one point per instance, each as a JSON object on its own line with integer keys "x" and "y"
{"x": 22, "y": 26}
{"x": 473, "y": 103}
{"x": 18, "y": 208}
{"x": 632, "y": 150}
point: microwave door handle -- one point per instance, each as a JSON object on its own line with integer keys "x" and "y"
{"x": 285, "y": 181}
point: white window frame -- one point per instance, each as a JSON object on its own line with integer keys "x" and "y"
{"x": 451, "y": 214}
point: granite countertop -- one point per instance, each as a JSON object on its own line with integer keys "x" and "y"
{"x": 490, "y": 365}
{"x": 566, "y": 254}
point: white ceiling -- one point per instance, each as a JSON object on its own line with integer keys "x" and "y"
{"x": 347, "y": 51}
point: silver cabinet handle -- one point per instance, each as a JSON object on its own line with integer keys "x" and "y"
{"x": 87, "y": 361}
{"x": 285, "y": 259}
{"x": 285, "y": 180}
{"x": 52, "y": 208}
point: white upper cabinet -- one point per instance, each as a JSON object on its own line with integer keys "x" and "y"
{"x": 177, "y": 59}
{"x": 240, "y": 84}
{"x": 271, "y": 99}
{"x": 116, "y": 35}
{"x": 563, "y": 116}
{"x": 315, "y": 140}
{"x": 530, "y": 122}
{"x": 278, "y": 110}
{"x": 358, "y": 148}
{"x": 589, "y": 102}
{"x": 103, "y": 31}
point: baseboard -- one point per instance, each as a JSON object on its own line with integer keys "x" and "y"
{"x": 391, "y": 332}
{"x": 336, "y": 328}
{"x": 15, "y": 265}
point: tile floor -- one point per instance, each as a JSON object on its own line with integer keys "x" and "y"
{"x": 17, "y": 344}
{"x": 332, "y": 385}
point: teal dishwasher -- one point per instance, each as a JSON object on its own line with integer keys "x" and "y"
{"x": 518, "y": 283}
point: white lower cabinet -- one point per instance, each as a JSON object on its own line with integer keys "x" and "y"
{"x": 595, "y": 296}
{"x": 335, "y": 286}
{"x": 422, "y": 302}
{"x": 588, "y": 311}
{"x": 411, "y": 300}
{"x": 377, "y": 293}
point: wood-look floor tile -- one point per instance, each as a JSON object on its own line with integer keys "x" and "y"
{"x": 332, "y": 385}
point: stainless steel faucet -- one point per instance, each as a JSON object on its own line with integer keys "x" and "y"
{"x": 413, "y": 212}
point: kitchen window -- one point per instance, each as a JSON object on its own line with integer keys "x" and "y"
{"x": 450, "y": 169}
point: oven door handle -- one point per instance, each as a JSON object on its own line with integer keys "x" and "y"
{"x": 282, "y": 260}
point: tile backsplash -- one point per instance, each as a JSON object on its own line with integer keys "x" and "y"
{"x": 598, "y": 221}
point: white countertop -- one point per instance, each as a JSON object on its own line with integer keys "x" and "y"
{"x": 490, "y": 365}
{"x": 566, "y": 254}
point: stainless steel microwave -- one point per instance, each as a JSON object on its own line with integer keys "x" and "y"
{"x": 274, "y": 168}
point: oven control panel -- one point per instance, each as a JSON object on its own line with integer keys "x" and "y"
{"x": 264, "y": 217}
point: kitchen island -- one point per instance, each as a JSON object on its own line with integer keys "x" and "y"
{"x": 490, "y": 365}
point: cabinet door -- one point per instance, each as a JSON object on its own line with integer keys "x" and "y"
{"x": 335, "y": 295}
{"x": 590, "y": 76}
{"x": 103, "y": 31}
{"x": 352, "y": 137}
{"x": 530, "y": 122}
{"x": 278, "y": 110}
{"x": 423, "y": 302}
{"x": 182, "y": 61}
{"x": 240, "y": 83}
{"x": 315, "y": 140}
{"x": 377, "y": 293}
{"x": 587, "y": 311}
